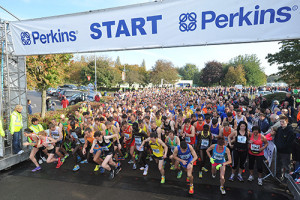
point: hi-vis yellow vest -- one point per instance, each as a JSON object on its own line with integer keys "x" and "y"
{"x": 2, "y": 133}
{"x": 15, "y": 122}
{"x": 36, "y": 128}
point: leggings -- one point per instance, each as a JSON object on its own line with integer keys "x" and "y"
{"x": 142, "y": 158}
{"x": 77, "y": 152}
{"x": 259, "y": 162}
{"x": 203, "y": 157}
{"x": 239, "y": 156}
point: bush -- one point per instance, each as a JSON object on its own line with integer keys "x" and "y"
{"x": 279, "y": 96}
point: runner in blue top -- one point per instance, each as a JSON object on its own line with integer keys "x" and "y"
{"x": 218, "y": 160}
{"x": 186, "y": 156}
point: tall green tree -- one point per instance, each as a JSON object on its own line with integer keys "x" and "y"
{"x": 235, "y": 76}
{"x": 118, "y": 62}
{"x": 288, "y": 59}
{"x": 212, "y": 73}
{"x": 164, "y": 70}
{"x": 254, "y": 73}
{"x": 45, "y": 71}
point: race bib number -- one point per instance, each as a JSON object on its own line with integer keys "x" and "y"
{"x": 138, "y": 141}
{"x": 127, "y": 136}
{"x": 155, "y": 150}
{"x": 188, "y": 139}
{"x": 218, "y": 156}
{"x": 172, "y": 148}
{"x": 255, "y": 147}
{"x": 81, "y": 140}
{"x": 185, "y": 157}
{"x": 204, "y": 143}
{"x": 241, "y": 139}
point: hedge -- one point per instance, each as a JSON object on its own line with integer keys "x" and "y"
{"x": 69, "y": 110}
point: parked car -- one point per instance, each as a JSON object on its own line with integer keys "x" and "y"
{"x": 69, "y": 93}
{"x": 56, "y": 93}
{"x": 76, "y": 98}
{"x": 82, "y": 87}
{"x": 72, "y": 87}
{"x": 263, "y": 93}
{"x": 50, "y": 91}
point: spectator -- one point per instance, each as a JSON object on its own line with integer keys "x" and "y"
{"x": 15, "y": 128}
{"x": 64, "y": 102}
{"x": 263, "y": 123}
{"x": 29, "y": 107}
{"x": 298, "y": 116}
{"x": 97, "y": 97}
{"x": 283, "y": 140}
{"x": 48, "y": 103}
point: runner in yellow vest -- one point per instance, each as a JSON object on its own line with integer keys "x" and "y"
{"x": 36, "y": 127}
{"x": 15, "y": 128}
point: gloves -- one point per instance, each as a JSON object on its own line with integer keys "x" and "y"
{"x": 212, "y": 161}
{"x": 218, "y": 166}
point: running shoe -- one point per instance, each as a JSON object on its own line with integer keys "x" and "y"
{"x": 136, "y": 157}
{"x": 111, "y": 174}
{"x": 63, "y": 160}
{"x": 191, "y": 191}
{"x": 102, "y": 170}
{"x": 84, "y": 162}
{"x": 162, "y": 180}
{"x": 121, "y": 158}
{"x": 260, "y": 181}
{"x": 97, "y": 168}
{"x": 204, "y": 169}
{"x": 36, "y": 169}
{"x": 118, "y": 169}
{"x": 142, "y": 168}
{"x": 66, "y": 156}
{"x": 134, "y": 166}
{"x": 146, "y": 170}
{"x": 179, "y": 174}
{"x": 172, "y": 167}
{"x": 240, "y": 178}
{"x": 59, "y": 163}
{"x": 76, "y": 168}
{"x": 222, "y": 190}
{"x": 251, "y": 178}
{"x": 126, "y": 155}
{"x": 130, "y": 162}
{"x": 200, "y": 174}
{"x": 231, "y": 178}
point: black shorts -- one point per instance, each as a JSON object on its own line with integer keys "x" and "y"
{"x": 158, "y": 158}
{"x": 42, "y": 148}
{"x": 51, "y": 151}
{"x": 58, "y": 144}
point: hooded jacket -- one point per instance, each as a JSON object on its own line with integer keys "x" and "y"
{"x": 284, "y": 139}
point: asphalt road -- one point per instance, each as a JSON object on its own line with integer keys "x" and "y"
{"x": 36, "y": 101}
{"x": 51, "y": 183}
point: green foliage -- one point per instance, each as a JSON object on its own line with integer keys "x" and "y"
{"x": 288, "y": 59}
{"x": 279, "y": 96}
{"x": 164, "y": 70}
{"x": 235, "y": 76}
{"x": 253, "y": 72}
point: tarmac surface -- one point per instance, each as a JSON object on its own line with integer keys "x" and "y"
{"x": 50, "y": 183}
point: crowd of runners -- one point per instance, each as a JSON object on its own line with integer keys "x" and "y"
{"x": 193, "y": 131}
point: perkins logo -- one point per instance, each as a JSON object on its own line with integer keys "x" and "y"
{"x": 51, "y": 37}
{"x": 188, "y": 21}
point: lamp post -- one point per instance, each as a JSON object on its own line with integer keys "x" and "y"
{"x": 95, "y": 76}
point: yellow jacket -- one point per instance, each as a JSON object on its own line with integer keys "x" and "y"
{"x": 2, "y": 133}
{"x": 16, "y": 123}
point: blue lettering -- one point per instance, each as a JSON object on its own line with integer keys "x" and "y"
{"x": 263, "y": 13}
{"x": 122, "y": 29}
{"x": 43, "y": 38}
{"x": 221, "y": 19}
{"x": 53, "y": 36}
{"x": 287, "y": 16}
{"x": 232, "y": 16}
{"x": 154, "y": 20}
{"x": 244, "y": 17}
{"x": 72, "y": 36}
{"x": 97, "y": 32}
{"x": 205, "y": 20}
{"x": 35, "y": 36}
{"x": 108, "y": 27}
{"x": 138, "y": 24}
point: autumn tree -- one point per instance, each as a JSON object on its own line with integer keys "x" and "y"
{"x": 75, "y": 71}
{"x": 163, "y": 70}
{"x": 212, "y": 73}
{"x": 45, "y": 71}
{"x": 288, "y": 59}
{"x": 235, "y": 76}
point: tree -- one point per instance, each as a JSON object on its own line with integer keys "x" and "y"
{"x": 45, "y": 71}
{"x": 118, "y": 62}
{"x": 143, "y": 64}
{"x": 75, "y": 73}
{"x": 107, "y": 75}
{"x": 235, "y": 76}
{"x": 212, "y": 73}
{"x": 163, "y": 70}
{"x": 288, "y": 59}
{"x": 188, "y": 71}
{"x": 254, "y": 73}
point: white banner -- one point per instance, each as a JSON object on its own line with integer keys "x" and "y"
{"x": 168, "y": 23}
{"x": 268, "y": 152}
